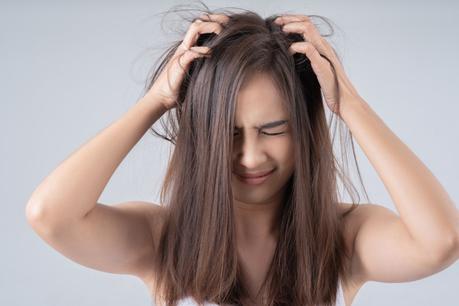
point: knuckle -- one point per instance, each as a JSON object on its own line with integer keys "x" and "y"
{"x": 217, "y": 18}
{"x": 308, "y": 26}
{"x": 308, "y": 47}
{"x": 193, "y": 52}
{"x": 224, "y": 18}
{"x": 217, "y": 28}
{"x": 194, "y": 25}
{"x": 182, "y": 56}
{"x": 188, "y": 52}
{"x": 321, "y": 42}
{"x": 182, "y": 47}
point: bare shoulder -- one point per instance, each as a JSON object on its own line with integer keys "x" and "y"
{"x": 154, "y": 213}
{"x": 156, "y": 216}
{"x": 382, "y": 248}
{"x": 352, "y": 222}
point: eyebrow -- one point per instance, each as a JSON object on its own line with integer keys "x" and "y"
{"x": 269, "y": 125}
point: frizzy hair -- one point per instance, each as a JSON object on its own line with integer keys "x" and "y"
{"x": 196, "y": 254}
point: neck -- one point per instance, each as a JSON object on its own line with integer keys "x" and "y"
{"x": 258, "y": 221}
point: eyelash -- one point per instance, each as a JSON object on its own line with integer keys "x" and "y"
{"x": 269, "y": 134}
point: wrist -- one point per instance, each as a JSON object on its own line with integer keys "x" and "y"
{"x": 153, "y": 104}
{"x": 155, "y": 101}
{"x": 351, "y": 103}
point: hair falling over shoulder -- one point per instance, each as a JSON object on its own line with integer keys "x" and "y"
{"x": 197, "y": 251}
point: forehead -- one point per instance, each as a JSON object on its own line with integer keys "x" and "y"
{"x": 259, "y": 99}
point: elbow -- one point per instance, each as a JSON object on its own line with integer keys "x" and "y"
{"x": 456, "y": 243}
{"x": 33, "y": 211}
{"x": 34, "y": 215}
{"x": 449, "y": 253}
{"x": 454, "y": 240}
{"x": 444, "y": 248}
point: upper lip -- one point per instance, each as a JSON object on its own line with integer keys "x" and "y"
{"x": 255, "y": 174}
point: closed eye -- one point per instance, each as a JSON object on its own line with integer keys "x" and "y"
{"x": 273, "y": 134}
{"x": 269, "y": 134}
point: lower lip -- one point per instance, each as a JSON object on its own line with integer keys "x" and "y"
{"x": 254, "y": 180}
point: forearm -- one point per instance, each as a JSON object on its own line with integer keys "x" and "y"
{"x": 73, "y": 188}
{"x": 423, "y": 204}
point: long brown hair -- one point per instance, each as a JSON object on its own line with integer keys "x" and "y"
{"x": 197, "y": 254}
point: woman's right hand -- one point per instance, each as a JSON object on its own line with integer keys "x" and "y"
{"x": 169, "y": 80}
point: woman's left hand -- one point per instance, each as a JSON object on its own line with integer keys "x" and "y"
{"x": 313, "y": 47}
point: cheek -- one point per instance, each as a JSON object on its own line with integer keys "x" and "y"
{"x": 284, "y": 151}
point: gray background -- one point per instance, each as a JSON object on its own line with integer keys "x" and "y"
{"x": 70, "y": 69}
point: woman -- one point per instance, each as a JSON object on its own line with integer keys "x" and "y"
{"x": 248, "y": 98}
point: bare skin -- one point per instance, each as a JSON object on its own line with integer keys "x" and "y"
{"x": 257, "y": 206}
{"x": 421, "y": 240}
{"x": 256, "y": 258}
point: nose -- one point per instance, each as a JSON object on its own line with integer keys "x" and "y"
{"x": 249, "y": 153}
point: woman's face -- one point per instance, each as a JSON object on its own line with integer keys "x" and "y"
{"x": 255, "y": 150}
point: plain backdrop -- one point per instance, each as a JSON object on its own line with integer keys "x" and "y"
{"x": 70, "y": 68}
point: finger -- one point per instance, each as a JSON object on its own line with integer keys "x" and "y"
{"x": 289, "y": 18}
{"x": 201, "y": 49}
{"x": 199, "y": 27}
{"x": 220, "y": 18}
{"x": 319, "y": 64}
{"x": 185, "y": 58}
{"x": 182, "y": 62}
{"x": 309, "y": 32}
